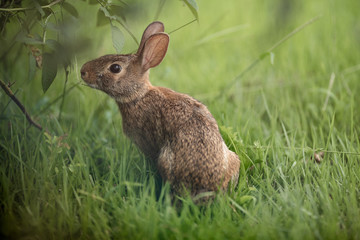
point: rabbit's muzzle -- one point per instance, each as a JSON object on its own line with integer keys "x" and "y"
{"x": 88, "y": 75}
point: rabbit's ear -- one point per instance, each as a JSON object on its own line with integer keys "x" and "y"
{"x": 153, "y": 28}
{"x": 154, "y": 50}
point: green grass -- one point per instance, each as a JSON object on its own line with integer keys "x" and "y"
{"x": 88, "y": 181}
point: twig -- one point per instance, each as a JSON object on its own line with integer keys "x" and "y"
{"x": 19, "y": 104}
{"x": 24, "y": 9}
{"x": 128, "y": 30}
{"x": 186, "y": 24}
{"x": 182, "y": 26}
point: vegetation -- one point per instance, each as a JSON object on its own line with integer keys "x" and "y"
{"x": 286, "y": 101}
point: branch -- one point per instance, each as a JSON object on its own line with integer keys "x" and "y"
{"x": 18, "y": 103}
{"x": 23, "y": 9}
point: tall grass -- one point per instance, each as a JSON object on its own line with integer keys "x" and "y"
{"x": 88, "y": 181}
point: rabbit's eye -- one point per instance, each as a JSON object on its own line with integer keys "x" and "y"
{"x": 115, "y": 68}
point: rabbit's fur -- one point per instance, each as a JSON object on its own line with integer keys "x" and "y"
{"x": 175, "y": 131}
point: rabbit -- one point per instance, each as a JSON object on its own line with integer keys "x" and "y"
{"x": 177, "y": 133}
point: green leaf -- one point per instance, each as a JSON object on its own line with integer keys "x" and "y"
{"x": 192, "y": 5}
{"x": 230, "y": 137}
{"x": 117, "y": 10}
{"x": 263, "y": 55}
{"x": 117, "y": 38}
{"x": 258, "y": 161}
{"x": 63, "y": 55}
{"x": 246, "y": 199}
{"x": 93, "y": 2}
{"x": 53, "y": 27}
{"x": 38, "y": 8}
{"x": 32, "y": 67}
{"x": 53, "y": 44}
{"x": 49, "y": 70}
{"x": 107, "y": 14}
{"x": 47, "y": 12}
{"x": 29, "y": 39}
{"x": 70, "y": 9}
{"x": 236, "y": 145}
{"x": 101, "y": 20}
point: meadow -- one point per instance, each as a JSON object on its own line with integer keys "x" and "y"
{"x": 285, "y": 98}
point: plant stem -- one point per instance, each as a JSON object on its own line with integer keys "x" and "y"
{"x": 64, "y": 93}
{"x": 57, "y": 99}
{"x": 263, "y": 55}
{"x": 24, "y": 9}
{"x": 182, "y": 26}
{"x": 160, "y": 7}
{"x": 19, "y": 104}
{"x": 128, "y": 30}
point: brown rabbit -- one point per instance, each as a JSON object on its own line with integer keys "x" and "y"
{"x": 174, "y": 130}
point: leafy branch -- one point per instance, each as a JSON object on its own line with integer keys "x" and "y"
{"x": 49, "y": 53}
{"x": 108, "y": 13}
{"x": 117, "y": 35}
{"x": 31, "y": 8}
